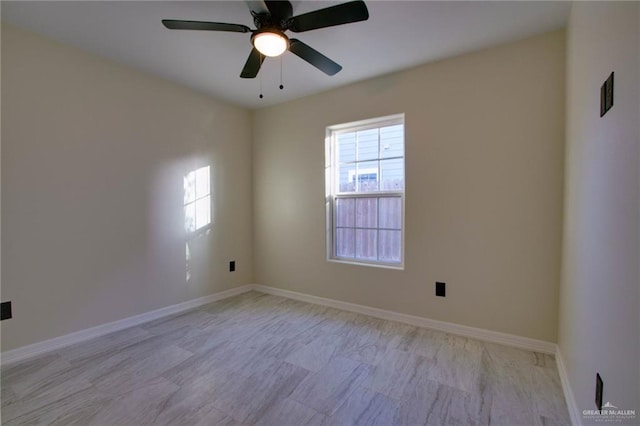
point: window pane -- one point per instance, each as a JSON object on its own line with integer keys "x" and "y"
{"x": 345, "y": 243}
{"x": 202, "y": 182}
{"x": 367, "y": 176}
{"x": 392, "y": 141}
{"x": 367, "y": 212}
{"x": 390, "y": 212}
{"x": 346, "y": 148}
{"x": 367, "y": 144}
{"x": 345, "y": 212}
{"x": 392, "y": 174}
{"x": 366, "y": 244}
{"x": 390, "y": 244}
{"x": 203, "y": 212}
{"x": 347, "y": 178}
{"x": 190, "y": 217}
{"x": 189, "y": 187}
{"x": 365, "y": 183}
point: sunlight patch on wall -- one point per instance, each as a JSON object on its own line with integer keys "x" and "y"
{"x": 197, "y": 208}
{"x": 197, "y": 199}
{"x": 187, "y": 258}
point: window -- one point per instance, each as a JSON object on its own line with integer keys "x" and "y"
{"x": 365, "y": 191}
{"x": 197, "y": 200}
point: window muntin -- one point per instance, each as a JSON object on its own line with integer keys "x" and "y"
{"x": 365, "y": 189}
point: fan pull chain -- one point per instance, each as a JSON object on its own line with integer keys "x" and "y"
{"x": 281, "y": 85}
{"x": 261, "y": 86}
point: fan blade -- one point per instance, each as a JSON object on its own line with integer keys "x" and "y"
{"x": 280, "y": 10}
{"x": 253, "y": 64}
{"x": 257, "y": 6}
{"x": 204, "y": 26}
{"x": 314, "y": 57}
{"x": 354, "y": 11}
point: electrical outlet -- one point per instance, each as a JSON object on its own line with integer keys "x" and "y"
{"x": 441, "y": 289}
{"x": 232, "y": 266}
{"x": 5, "y": 311}
{"x": 599, "y": 386}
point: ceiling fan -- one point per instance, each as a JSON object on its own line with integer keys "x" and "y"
{"x": 272, "y": 19}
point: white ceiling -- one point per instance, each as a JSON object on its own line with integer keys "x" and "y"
{"x": 398, "y": 35}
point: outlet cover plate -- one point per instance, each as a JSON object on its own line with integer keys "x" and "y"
{"x": 599, "y": 387}
{"x": 606, "y": 95}
{"x": 5, "y": 311}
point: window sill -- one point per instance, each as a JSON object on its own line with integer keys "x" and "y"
{"x": 398, "y": 267}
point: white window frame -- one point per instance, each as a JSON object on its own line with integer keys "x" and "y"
{"x": 331, "y": 194}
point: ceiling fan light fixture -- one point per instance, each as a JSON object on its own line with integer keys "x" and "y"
{"x": 270, "y": 42}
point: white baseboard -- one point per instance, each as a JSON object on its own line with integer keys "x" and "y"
{"x": 30, "y": 351}
{"x": 447, "y": 327}
{"x": 569, "y": 397}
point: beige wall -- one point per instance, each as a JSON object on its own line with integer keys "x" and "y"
{"x": 1, "y": 299}
{"x": 484, "y": 169}
{"x": 93, "y": 159}
{"x": 599, "y": 323}
{"x": 94, "y": 155}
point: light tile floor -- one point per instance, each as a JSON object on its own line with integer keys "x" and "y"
{"x": 261, "y": 359}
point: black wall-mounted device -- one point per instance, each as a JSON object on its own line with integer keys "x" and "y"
{"x": 599, "y": 386}
{"x": 606, "y": 95}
